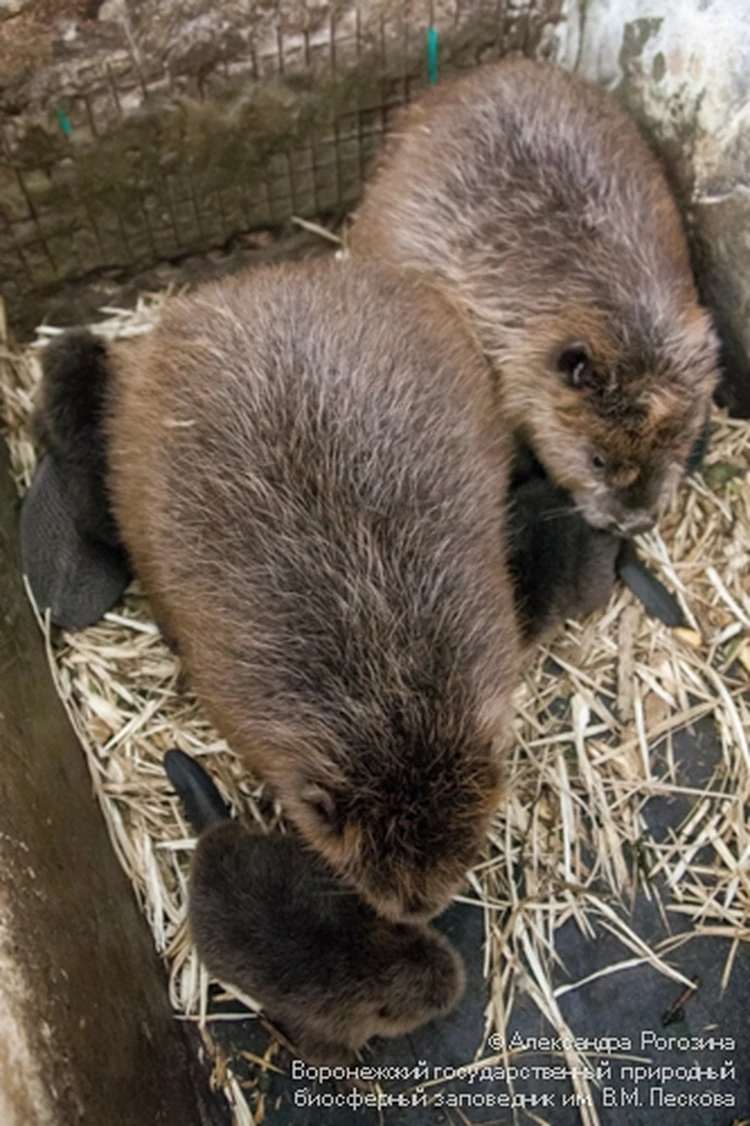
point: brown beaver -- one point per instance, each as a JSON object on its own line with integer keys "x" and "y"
{"x": 307, "y": 476}
{"x": 268, "y": 916}
{"x": 531, "y": 200}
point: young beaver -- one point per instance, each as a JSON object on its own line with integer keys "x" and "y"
{"x": 530, "y": 198}
{"x": 70, "y": 549}
{"x": 269, "y": 917}
{"x": 561, "y": 567}
{"x": 307, "y": 476}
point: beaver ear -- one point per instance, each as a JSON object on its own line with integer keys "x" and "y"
{"x": 321, "y": 802}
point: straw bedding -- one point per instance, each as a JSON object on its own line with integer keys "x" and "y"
{"x": 596, "y": 716}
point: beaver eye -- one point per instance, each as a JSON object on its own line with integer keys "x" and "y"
{"x": 598, "y": 461}
{"x": 575, "y": 364}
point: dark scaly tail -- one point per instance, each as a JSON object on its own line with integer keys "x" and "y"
{"x": 202, "y": 802}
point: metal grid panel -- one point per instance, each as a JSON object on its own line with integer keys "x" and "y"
{"x": 134, "y": 156}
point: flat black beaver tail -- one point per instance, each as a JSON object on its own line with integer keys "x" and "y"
{"x": 202, "y": 802}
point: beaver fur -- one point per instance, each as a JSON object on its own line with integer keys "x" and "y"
{"x": 530, "y": 199}
{"x": 326, "y": 547}
{"x": 67, "y": 424}
{"x": 561, "y": 567}
{"x": 70, "y": 549}
{"x": 306, "y": 473}
{"x": 267, "y": 916}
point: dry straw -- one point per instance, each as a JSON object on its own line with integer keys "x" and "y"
{"x": 572, "y": 840}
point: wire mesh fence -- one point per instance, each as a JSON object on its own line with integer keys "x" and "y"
{"x": 178, "y": 129}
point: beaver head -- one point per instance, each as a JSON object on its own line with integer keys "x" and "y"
{"x": 399, "y": 812}
{"x": 613, "y": 404}
{"x": 531, "y": 200}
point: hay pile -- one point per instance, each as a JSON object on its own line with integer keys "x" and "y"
{"x": 581, "y": 774}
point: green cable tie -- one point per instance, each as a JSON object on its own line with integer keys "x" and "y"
{"x": 432, "y": 55}
{"x": 65, "y": 125}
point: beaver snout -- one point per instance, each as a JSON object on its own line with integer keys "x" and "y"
{"x": 608, "y": 514}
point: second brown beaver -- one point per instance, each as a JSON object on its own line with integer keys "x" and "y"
{"x": 530, "y": 199}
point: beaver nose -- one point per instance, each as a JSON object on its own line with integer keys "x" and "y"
{"x": 635, "y": 523}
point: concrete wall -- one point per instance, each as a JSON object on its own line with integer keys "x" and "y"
{"x": 87, "y": 1036}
